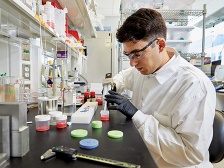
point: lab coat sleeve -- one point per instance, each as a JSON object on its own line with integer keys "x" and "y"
{"x": 124, "y": 79}
{"x": 186, "y": 142}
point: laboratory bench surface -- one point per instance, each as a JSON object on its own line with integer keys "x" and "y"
{"x": 130, "y": 148}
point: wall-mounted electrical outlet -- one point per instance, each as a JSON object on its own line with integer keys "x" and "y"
{"x": 26, "y": 71}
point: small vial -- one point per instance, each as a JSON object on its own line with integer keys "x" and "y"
{"x": 54, "y": 115}
{"x": 42, "y": 122}
{"x": 104, "y": 115}
{"x": 61, "y": 121}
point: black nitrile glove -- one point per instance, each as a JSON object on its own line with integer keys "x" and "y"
{"x": 123, "y": 104}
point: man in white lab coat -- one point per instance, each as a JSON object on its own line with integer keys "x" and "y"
{"x": 173, "y": 102}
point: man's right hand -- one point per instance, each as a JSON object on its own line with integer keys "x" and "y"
{"x": 109, "y": 81}
{"x": 123, "y": 104}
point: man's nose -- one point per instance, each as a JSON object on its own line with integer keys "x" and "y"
{"x": 133, "y": 62}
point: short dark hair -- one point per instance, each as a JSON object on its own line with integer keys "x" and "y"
{"x": 144, "y": 24}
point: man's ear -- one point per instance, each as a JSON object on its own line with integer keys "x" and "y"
{"x": 162, "y": 44}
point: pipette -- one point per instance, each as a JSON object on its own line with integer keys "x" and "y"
{"x": 105, "y": 113}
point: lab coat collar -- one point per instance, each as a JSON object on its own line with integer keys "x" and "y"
{"x": 166, "y": 71}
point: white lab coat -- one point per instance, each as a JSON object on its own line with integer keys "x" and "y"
{"x": 176, "y": 111}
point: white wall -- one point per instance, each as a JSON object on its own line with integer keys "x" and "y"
{"x": 4, "y": 59}
{"x": 211, "y": 6}
{"x": 110, "y": 9}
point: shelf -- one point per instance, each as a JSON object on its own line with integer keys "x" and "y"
{"x": 180, "y": 27}
{"x": 14, "y": 27}
{"x": 180, "y": 17}
{"x": 176, "y": 17}
{"x": 212, "y": 19}
{"x": 191, "y": 54}
{"x": 79, "y": 16}
{"x": 20, "y": 5}
{"x": 59, "y": 40}
{"x": 178, "y": 41}
{"x": 6, "y": 37}
{"x": 34, "y": 27}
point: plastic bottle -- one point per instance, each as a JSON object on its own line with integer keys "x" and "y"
{"x": 76, "y": 75}
{"x": 49, "y": 11}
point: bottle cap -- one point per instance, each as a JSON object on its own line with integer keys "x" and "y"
{"x": 61, "y": 117}
{"x": 55, "y": 113}
{"x": 86, "y": 93}
{"x": 54, "y": 4}
{"x": 48, "y": 3}
{"x": 42, "y": 117}
{"x": 92, "y": 93}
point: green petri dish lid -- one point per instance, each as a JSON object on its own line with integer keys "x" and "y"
{"x": 79, "y": 133}
{"x": 115, "y": 134}
{"x": 97, "y": 124}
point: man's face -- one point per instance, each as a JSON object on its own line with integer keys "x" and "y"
{"x": 148, "y": 60}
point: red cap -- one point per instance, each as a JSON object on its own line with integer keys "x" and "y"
{"x": 86, "y": 93}
{"x": 92, "y": 93}
{"x": 54, "y": 4}
{"x": 100, "y": 102}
